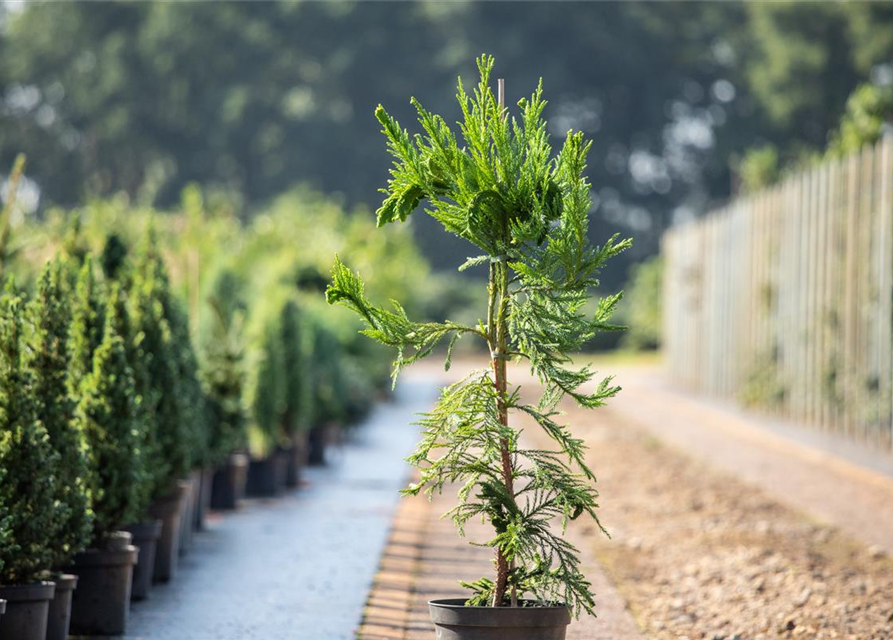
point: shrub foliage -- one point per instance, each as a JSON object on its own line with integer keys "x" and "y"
{"x": 28, "y": 489}
{"x": 48, "y": 359}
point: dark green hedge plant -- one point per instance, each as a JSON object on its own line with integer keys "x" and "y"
{"x": 223, "y": 368}
{"x": 159, "y": 386}
{"x": 107, "y": 413}
{"x": 47, "y": 359}
{"x": 526, "y": 211}
{"x": 28, "y": 490}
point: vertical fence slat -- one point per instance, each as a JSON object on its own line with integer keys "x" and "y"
{"x": 788, "y": 294}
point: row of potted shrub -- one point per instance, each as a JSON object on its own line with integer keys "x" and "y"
{"x": 116, "y": 435}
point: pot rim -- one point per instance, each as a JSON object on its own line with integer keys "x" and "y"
{"x": 65, "y": 581}
{"x": 453, "y": 612}
{"x": 106, "y": 557}
{"x": 146, "y": 530}
{"x": 33, "y": 592}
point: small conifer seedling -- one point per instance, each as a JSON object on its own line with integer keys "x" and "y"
{"x": 527, "y": 212}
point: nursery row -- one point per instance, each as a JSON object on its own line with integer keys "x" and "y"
{"x": 132, "y": 397}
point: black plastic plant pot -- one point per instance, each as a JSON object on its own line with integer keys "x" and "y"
{"x": 229, "y": 483}
{"x": 168, "y": 509}
{"x": 187, "y": 517}
{"x": 262, "y": 477}
{"x": 454, "y": 621}
{"x": 203, "y": 505}
{"x": 316, "y": 445}
{"x": 60, "y": 607}
{"x": 101, "y": 604}
{"x": 282, "y": 457}
{"x": 145, "y": 538}
{"x": 296, "y": 460}
{"x": 27, "y": 610}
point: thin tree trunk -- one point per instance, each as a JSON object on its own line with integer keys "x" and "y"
{"x": 498, "y": 330}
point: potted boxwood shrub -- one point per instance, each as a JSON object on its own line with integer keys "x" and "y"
{"x": 28, "y": 531}
{"x": 47, "y": 358}
{"x": 526, "y": 211}
{"x": 296, "y": 341}
{"x": 106, "y": 412}
{"x": 328, "y": 401}
{"x": 144, "y": 530}
{"x": 168, "y": 460}
{"x": 223, "y": 374}
{"x": 266, "y": 398}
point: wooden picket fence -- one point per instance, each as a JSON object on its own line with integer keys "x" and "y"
{"x": 784, "y": 299}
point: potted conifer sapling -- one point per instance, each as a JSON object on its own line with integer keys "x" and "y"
{"x": 526, "y": 211}
{"x": 145, "y": 531}
{"x": 223, "y": 374}
{"x": 47, "y": 358}
{"x": 28, "y": 522}
{"x": 168, "y": 459}
{"x": 106, "y": 413}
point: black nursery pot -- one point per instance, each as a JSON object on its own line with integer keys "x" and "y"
{"x": 101, "y": 604}
{"x": 454, "y": 621}
{"x": 27, "y": 609}
{"x": 229, "y": 483}
{"x": 297, "y": 460}
{"x": 168, "y": 509}
{"x": 187, "y": 516}
{"x": 145, "y": 538}
{"x": 203, "y": 505}
{"x": 60, "y": 607}
{"x": 281, "y": 469}
{"x": 262, "y": 476}
{"x": 316, "y": 445}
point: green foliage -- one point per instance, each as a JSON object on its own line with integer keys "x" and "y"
{"x": 107, "y": 415}
{"x": 223, "y": 369}
{"x": 191, "y": 397}
{"x": 7, "y": 251}
{"x": 759, "y": 168}
{"x": 114, "y": 254}
{"x": 502, "y": 189}
{"x": 159, "y": 388}
{"x": 47, "y": 360}
{"x": 137, "y": 360}
{"x": 295, "y": 341}
{"x": 641, "y": 307}
{"x": 87, "y": 324}
{"x": 28, "y": 491}
{"x": 868, "y": 111}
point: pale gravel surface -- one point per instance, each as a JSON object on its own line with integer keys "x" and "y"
{"x": 298, "y": 567}
{"x": 700, "y": 554}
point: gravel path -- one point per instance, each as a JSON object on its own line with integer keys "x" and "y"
{"x": 830, "y": 478}
{"x": 725, "y": 529}
{"x": 298, "y": 567}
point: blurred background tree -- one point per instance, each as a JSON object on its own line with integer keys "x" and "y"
{"x": 251, "y": 98}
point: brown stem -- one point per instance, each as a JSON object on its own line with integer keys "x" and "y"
{"x": 498, "y": 291}
{"x": 498, "y": 343}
